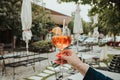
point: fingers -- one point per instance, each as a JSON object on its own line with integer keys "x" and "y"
{"x": 60, "y": 61}
{"x": 65, "y": 53}
{"x": 62, "y": 56}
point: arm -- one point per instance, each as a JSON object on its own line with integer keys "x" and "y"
{"x": 76, "y": 63}
{"x": 95, "y": 75}
{"x": 88, "y": 72}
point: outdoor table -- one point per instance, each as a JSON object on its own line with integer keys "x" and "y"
{"x": 79, "y": 76}
{"x": 86, "y": 56}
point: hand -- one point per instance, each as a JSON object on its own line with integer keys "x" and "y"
{"x": 72, "y": 58}
{"x": 67, "y": 56}
{"x": 65, "y": 53}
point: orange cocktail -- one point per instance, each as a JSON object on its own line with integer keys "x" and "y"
{"x": 61, "y": 42}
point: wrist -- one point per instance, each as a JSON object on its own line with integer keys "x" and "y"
{"x": 82, "y": 68}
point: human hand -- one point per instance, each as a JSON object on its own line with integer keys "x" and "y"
{"x": 72, "y": 59}
{"x": 68, "y": 56}
{"x": 59, "y": 55}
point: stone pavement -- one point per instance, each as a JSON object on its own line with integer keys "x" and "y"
{"x": 27, "y": 71}
{"x": 113, "y": 51}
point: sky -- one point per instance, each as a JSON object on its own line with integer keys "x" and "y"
{"x": 67, "y": 8}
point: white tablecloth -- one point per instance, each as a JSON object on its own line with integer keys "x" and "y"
{"x": 86, "y": 56}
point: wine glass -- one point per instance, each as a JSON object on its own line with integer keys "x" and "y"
{"x": 61, "y": 41}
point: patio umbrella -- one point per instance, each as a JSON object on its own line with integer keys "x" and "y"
{"x": 26, "y": 19}
{"x": 96, "y": 33}
{"x": 77, "y": 30}
{"x": 95, "y": 19}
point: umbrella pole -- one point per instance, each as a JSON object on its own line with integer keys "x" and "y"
{"x": 78, "y": 49}
{"x": 27, "y": 46}
{"x": 27, "y": 49}
{"x": 76, "y": 38}
{"x": 77, "y": 45}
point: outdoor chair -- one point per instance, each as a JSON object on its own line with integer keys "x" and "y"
{"x": 2, "y": 57}
{"x": 1, "y": 50}
{"x": 96, "y": 51}
{"x": 115, "y": 64}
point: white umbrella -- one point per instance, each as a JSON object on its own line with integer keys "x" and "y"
{"x": 77, "y": 21}
{"x": 26, "y": 19}
{"x": 96, "y": 33}
{"x": 95, "y": 19}
{"x": 77, "y": 24}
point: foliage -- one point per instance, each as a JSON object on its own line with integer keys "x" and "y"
{"x": 87, "y": 27}
{"x": 42, "y": 22}
{"x": 43, "y": 46}
{"x": 108, "y": 11}
{"x": 10, "y": 18}
{"x": 109, "y": 15}
{"x": 9, "y": 15}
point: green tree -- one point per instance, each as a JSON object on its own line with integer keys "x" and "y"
{"x": 10, "y": 15}
{"x": 42, "y": 22}
{"x": 109, "y": 15}
{"x": 70, "y": 26}
{"x": 87, "y": 27}
{"x": 10, "y": 18}
{"x": 108, "y": 11}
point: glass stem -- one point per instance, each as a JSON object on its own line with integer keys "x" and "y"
{"x": 61, "y": 68}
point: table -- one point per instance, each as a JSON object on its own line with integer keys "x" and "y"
{"x": 86, "y": 56}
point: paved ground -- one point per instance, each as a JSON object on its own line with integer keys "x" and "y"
{"x": 27, "y": 71}
{"x": 24, "y": 72}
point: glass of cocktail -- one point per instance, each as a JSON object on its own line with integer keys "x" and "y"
{"x": 61, "y": 41}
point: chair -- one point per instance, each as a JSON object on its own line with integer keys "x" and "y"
{"x": 97, "y": 52}
{"x": 1, "y": 48}
{"x": 115, "y": 64}
{"x": 1, "y": 56}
